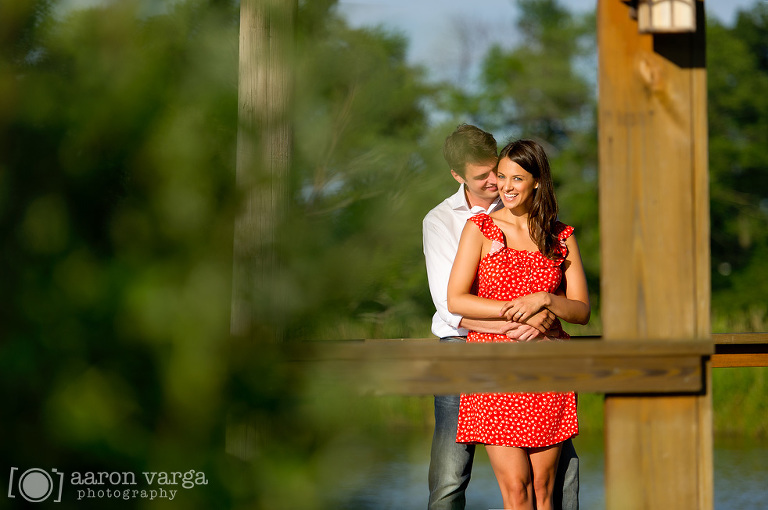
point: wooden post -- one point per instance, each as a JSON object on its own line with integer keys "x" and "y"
{"x": 654, "y": 215}
{"x": 263, "y": 156}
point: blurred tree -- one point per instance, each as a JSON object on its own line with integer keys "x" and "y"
{"x": 117, "y": 128}
{"x": 537, "y": 89}
{"x": 543, "y": 87}
{"x": 353, "y": 239}
{"x": 738, "y": 128}
{"x": 117, "y": 149}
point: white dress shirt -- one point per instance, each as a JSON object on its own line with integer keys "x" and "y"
{"x": 441, "y": 231}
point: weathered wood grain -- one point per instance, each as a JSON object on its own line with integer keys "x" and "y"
{"x": 654, "y": 223}
{"x": 263, "y": 157}
{"x": 425, "y": 366}
{"x": 740, "y": 338}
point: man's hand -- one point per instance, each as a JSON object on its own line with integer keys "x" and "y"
{"x": 514, "y": 330}
{"x": 523, "y": 332}
{"x": 541, "y": 326}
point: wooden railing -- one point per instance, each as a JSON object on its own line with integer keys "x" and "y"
{"x": 740, "y": 350}
{"x": 585, "y": 364}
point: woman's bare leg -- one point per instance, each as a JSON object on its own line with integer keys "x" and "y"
{"x": 513, "y": 472}
{"x": 544, "y": 466}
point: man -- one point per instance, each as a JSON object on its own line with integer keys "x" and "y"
{"x": 471, "y": 154}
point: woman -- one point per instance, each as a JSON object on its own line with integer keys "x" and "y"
{"x": 520, "y": 255}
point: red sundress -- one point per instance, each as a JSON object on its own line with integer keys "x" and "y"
{"x": 516, "y": 419}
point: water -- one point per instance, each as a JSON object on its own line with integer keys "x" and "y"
{"x": 741, "y": 475}
{"x": 400, "y": 482}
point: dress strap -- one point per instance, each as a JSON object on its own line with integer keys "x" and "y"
{"x": 563, "y": 232}
{"x": 488, "y": 228}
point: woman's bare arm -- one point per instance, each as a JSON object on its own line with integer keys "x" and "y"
{"x": 461, "y": 301}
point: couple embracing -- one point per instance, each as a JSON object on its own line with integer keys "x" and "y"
{"x": 501, "y": 268}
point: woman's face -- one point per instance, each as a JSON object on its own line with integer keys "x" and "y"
{"x": 516, "y": 185}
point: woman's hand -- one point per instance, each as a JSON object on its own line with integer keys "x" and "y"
{"x": 543, "y": 320}
{"x": 524, "y": 307}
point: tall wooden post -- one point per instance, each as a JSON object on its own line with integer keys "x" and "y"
{"x": 263, "y": 156}
{"x": 654, "y": 215}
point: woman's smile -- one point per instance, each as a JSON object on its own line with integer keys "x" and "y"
{"x": 510, "y": 195}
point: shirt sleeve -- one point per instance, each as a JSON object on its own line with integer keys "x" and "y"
{"x": 439, "y": 253}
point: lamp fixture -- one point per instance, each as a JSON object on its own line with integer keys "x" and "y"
{"x": 666, "y": 16}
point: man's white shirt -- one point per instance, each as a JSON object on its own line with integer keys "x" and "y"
{"x": 441, "y": 230}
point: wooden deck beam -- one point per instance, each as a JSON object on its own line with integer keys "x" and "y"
{"x": 425, "y": 366}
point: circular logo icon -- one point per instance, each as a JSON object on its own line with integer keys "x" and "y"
{"x": 35, "y": 485}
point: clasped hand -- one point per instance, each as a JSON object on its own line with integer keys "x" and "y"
{"x": 533, "y": 325}
{"x": 524, "y": 307}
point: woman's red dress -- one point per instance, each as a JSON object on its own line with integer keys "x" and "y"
{"x": 516, "y": 419}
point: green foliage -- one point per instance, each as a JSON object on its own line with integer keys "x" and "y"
{"x": 352, "y": 240}
{"x": 117, "y": 197}
{"x": 738, "y": 125}
{"x": 117, "y": 134}
{"x": 520, "y": 95}
{"x": 738, "y": 400}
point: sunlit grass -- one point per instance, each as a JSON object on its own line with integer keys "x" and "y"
{"x": 754, "y": 319}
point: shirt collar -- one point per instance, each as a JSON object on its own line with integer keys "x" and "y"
{"x": 458, "y": 202}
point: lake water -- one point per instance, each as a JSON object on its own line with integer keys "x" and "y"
{"x": 400, "y": 482}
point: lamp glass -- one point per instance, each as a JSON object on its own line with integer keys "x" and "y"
{"x": 659, "y": 16}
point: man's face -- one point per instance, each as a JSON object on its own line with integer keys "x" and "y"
{"x": 480, "y": 180}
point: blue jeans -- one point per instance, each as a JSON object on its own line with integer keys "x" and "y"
{"x": 450, "y": 465}
{"x": 566, "y": 494}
